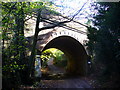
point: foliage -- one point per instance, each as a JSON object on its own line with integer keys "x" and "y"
{"x": 60, "y": 59}
{"x": 56, "y": 54}
{"x": 46, "y": 55}
{"x": 15, "y": 61}
{"x": 103, "y": 38}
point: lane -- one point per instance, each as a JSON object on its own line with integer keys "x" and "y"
{"x": 54, "y": 69}
{"x": 70, "y": 82}
{"x": 66, "y": 83}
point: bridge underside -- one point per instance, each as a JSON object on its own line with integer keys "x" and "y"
{"x": 75, "y": 52}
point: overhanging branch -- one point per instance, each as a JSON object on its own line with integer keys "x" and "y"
{"x": 53, "y": 26}
{"x": 79, "y": 11}
{"x": 64, "y": 26}
{"x": 69, "y": 20}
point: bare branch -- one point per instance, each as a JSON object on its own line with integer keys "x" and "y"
{"x": 75, "y": 21}
{"x": 53, "y": 26}
{"x": 69, "y": 20}
{"x": 58, "y": 23}
{"x": 65, "y": 26}
{"x": 79, "y": 10}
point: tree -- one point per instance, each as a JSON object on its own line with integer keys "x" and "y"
{"x": 104, "y": 37}
{"x": 14, "y": 44}
{"x": 54, "y": 24}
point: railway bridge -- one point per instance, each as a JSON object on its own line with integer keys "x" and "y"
{"x": 71, "y": 40}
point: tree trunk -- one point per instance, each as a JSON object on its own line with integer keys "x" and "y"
{"x": 32, "y": 56}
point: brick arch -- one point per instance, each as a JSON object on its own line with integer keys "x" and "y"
{"x": 43, "y": 40}
{"x": 75, "y": 52}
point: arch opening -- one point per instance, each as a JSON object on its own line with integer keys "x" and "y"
{"x": 54, "y": 60}
{"x": 74, "y": 50}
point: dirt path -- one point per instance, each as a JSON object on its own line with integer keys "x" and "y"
{"x": 54, "y": 69}
{"x": 71, "y": 82}
{"x": 66, "y": 83}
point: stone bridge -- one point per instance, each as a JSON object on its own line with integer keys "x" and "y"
{"x": 69, "y": 40}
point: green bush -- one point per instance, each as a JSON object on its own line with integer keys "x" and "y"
{"x": 58, "y": 55}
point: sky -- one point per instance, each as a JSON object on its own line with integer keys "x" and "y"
{"x": 70, "y": 8}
